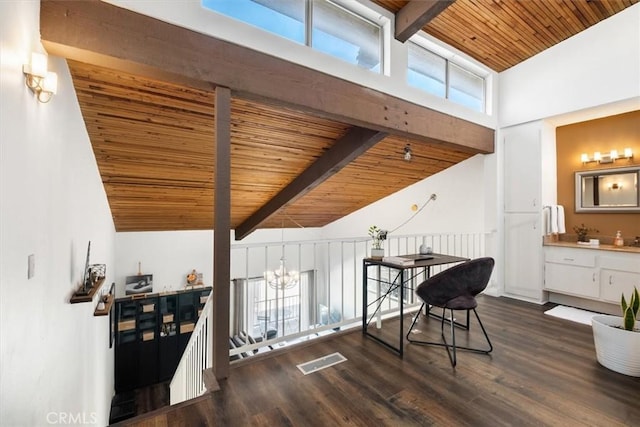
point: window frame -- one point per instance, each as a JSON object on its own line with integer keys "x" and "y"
{"x": 450, "y": 59}
{"x": 353, "y": 8}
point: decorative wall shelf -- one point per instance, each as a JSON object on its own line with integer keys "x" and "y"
{"x": 107, "y": 307}
{"x": 77, "y": 298}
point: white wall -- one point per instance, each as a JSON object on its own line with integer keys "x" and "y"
{"x": 171, "y": 255}
{"x": 459, "y": 207}
{"x": 596, "y": 67}
{"x": 55, "y": 358}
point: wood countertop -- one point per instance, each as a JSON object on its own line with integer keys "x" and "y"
{"x": 576, "y": 245}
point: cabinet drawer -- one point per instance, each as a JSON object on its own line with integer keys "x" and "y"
{"x": 126, "y": 325}
{"x": 573, "y": 257}
{"x": 572, "y": 280}
{"x": 628, "y": 264}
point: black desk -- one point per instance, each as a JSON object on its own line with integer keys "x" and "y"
{"x": 398, "y": 279}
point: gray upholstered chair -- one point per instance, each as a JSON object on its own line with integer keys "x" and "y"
{"x": 455, "y": 289}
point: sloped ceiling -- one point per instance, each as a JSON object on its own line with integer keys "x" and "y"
{"x": 153, "y": 135}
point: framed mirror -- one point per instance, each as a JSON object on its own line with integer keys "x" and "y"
{"x": 608, "y": 190}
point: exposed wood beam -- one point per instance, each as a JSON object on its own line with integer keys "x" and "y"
{"x": 416, "y": 14}
{"x": 112, "y": 37}
{"x": 355, "y": 142}
{"x": 222, "y": 233}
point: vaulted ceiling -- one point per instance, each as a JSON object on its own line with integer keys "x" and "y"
{"x": 305, "y": 148}
{"x": 503, "y": 33}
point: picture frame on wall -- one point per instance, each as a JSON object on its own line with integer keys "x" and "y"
{"x": 140, "y": 284}
{"x": 112, "y": 326}
{"x": 112, "y": 316}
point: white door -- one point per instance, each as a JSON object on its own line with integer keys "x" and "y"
{"x": 523, "y": 256}
{"x": 522, "y": 157}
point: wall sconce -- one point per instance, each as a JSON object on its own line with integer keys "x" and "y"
{"x": 42, "y": 82}
{"x": 407, "y": 153}
{"x": 610, "y": 157}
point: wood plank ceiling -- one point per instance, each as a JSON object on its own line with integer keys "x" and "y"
{"x": 153, "y": 139}
{"x": 503, "y": 33}
{"x": 153, "y": 145}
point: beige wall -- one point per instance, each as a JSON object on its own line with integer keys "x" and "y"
{"x": 614, "y": 132}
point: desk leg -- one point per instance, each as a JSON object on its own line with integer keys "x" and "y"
{"x": 379, "y": 316}
{"x": 365, "y": 283}
{"x": 401, "y": 312}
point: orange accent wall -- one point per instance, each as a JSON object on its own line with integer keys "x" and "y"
{"x": 605, "y": 134}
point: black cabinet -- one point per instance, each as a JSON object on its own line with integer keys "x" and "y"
{"x": 187, "y": 318}
{"x": 151, "y": 335}
{"x": 126, "y": 355}
{"x": 168, "y": 341}
{"x": 147, "y": 341}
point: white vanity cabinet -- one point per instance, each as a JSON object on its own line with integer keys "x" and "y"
{"x": 571, "y": 271}
{"x": 617, "y": 275}
{"x": 593, "y": 273}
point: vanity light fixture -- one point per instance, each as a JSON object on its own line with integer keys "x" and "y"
{"x": 609, "y": 157}
{"x": 42, "y": 82}
{"x": 615, "y": 186}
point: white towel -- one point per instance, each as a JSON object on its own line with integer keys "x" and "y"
{"x": 560, "y": 220}
{"x": 553, "y": 219}
{"x": 546, "y": 219}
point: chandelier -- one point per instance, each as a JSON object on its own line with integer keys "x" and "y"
{"x": 280, "y": 278}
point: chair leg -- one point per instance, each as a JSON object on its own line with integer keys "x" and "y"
{"x": 484, "y": 332}
{"x": 415, "y": 319}
{"x": 452, "y": 348}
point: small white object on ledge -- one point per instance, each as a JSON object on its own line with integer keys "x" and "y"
{"x": 594, "y": 242}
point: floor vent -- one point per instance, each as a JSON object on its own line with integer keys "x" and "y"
{"x": 321, "y": 363}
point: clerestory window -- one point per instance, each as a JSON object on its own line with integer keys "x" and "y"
{"x": 439, "y": 76}
{"x": 322, "y": 25}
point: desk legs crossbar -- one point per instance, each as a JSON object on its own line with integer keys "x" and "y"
{"x": 397, "y": 283}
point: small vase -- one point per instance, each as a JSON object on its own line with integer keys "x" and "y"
{"x": 377, "y": 253}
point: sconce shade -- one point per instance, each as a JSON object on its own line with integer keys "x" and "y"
{"x": 50, "y": 83}
{"x": 43, "y": 83}
{"x": 609, "y": 157}
{"x": 38, "y": 66}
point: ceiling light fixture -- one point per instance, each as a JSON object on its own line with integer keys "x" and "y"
{"x": 280, "y": 278}
{"x": 407, "y": 153}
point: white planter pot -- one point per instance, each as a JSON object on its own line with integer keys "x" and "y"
{"x": 616, "y": 349}
{"x": 377, "y": 253}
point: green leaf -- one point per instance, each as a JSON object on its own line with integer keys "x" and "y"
{"x": 635, "y": 302}
{"x": 623, "y": 304}
{"x": 629, "y": 319}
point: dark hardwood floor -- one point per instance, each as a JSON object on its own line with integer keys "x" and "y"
{"x": 542, "y": 372}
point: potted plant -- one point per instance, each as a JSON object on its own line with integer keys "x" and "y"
{"x": 617, "y": 339}
{"x": 582, "y": 231}
{"x": 378, "y": 236}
